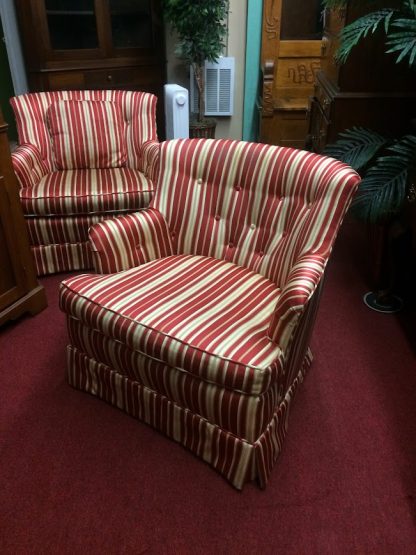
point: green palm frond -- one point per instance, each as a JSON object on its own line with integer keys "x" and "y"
{"x": 383, "y": 189}
{"x": 406, "y": 148}
{"x": 353, "y": 33}
{"x": 411, "y": 6}
{"x": 403, "y": 41}
{"x": 357, "y": 147}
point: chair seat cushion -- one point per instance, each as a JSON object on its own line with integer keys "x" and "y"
{"x": 198, "y": 314}
{"x": 87, "y": 191}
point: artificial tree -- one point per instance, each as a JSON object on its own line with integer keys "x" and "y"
{"x": 201, "y": 28}
{"x": 387, "y": 164}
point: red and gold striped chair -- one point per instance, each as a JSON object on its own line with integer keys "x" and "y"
{"x": 83, "y": 156}
{"x": 199, "y": 319}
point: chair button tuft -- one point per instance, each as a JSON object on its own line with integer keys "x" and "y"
{"x": 237, "y": 187}
{"x": 199, "y": 181}
{"x": 217, "y": 217}
{"x": 231, "y": 245}
{"x": 261, "y": 253}
{"x": 253, "y": 226}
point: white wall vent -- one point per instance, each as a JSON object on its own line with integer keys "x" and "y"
{"x": 176, "y": 112}
{"x": 219, "y": 88}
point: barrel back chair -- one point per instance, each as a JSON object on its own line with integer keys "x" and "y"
{"x": 199, "y": 316}
{"x": 82, "y": 156}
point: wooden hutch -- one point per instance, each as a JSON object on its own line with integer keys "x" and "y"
{"x": 94, "y": 44}
{"x": 290, "y": 58}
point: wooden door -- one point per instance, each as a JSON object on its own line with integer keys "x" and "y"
{"x": 291, "y": 56}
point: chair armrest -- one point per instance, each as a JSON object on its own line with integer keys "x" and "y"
{"x": 127, "y": 241}
{"x": 28, "y": 165}
{"x": 302, "y": 281}
{"x": 150, "y": 159}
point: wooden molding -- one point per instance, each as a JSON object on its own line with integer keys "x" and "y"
{"x": 268, "y": 86}
{"x": 272, "y": 10}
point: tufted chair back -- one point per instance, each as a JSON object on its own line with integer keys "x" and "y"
{"x": 138, "y": 109}
{"x": 259, "y": 206}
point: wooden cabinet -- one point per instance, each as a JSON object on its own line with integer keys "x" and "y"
{"x": 290, "y": 56}
{"x": 94, "y": 44}
{"x": 369, "y": 90}
{"x": 19, "y": 289}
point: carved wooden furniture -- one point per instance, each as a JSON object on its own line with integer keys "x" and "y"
{"x": 19, "y": 290}
{"x": 82, "y": 156}
{"x": 369, "y": 90}
{"x": 290, "y": 57}
{"x": 203, "y": 333}
{"x": 94, "y": 44}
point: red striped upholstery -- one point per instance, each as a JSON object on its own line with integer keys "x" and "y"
{"x": 86, "y": 191}
{"x": 247, "y": 416}
{"x": 120, "y": 127}
{"x": 29, "y": 165}
{"x": 236, "y": 459}
{"x": 273, "y": 210}
{"x": 138, "y": 109}
{"x": 61, "y": 257}
{"x": 150, "y": 159}
{"x": 206, "y": 335}
{"x": 205, "y": 315}
{"x": 125, "y": 242}
{"x": 87, "y": 134}
{"x": 63, "y": 229}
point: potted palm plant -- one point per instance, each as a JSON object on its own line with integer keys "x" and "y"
{"x": 201, "y": 28}
{"x": 387, "y": 164}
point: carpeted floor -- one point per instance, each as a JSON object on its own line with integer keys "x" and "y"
{"x": 78, "y": 476}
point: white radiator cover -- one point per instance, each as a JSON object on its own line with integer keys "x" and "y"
{"x": 176, "y": 112}
{"x": 219, "y": 88}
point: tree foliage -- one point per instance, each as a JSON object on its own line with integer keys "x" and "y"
{"x": 397, "y": 20}
{"x": 201, "y": 28}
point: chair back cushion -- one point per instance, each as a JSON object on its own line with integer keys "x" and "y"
{"x": 138, "y": 110}
{"x": 87, "y": 134}
{"x": 260, "y": 206}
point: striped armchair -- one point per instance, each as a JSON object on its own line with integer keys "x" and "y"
{"x": 83, "y": 156}
{"x": 199, "y": 318}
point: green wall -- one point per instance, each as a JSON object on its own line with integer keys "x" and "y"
{"x": 252, "y": 70}
{"x": 6, "y": 88}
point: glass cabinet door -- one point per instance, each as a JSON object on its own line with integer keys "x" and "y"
{"x": 131, "y": 23}
{"x": 72, "y": 24}
{"x": 301, "y": 20}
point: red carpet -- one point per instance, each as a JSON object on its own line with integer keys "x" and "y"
{"x": 78, "y": 476}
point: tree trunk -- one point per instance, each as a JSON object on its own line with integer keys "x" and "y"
{"x": 199, "y": 78}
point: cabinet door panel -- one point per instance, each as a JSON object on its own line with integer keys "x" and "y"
{"x": 10, "y": 271}
{"x": 7, "y": 277}
{"x": 63, "y": 16}
{"x": 301, "y": 20}
{"x": 131, "y": 23}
